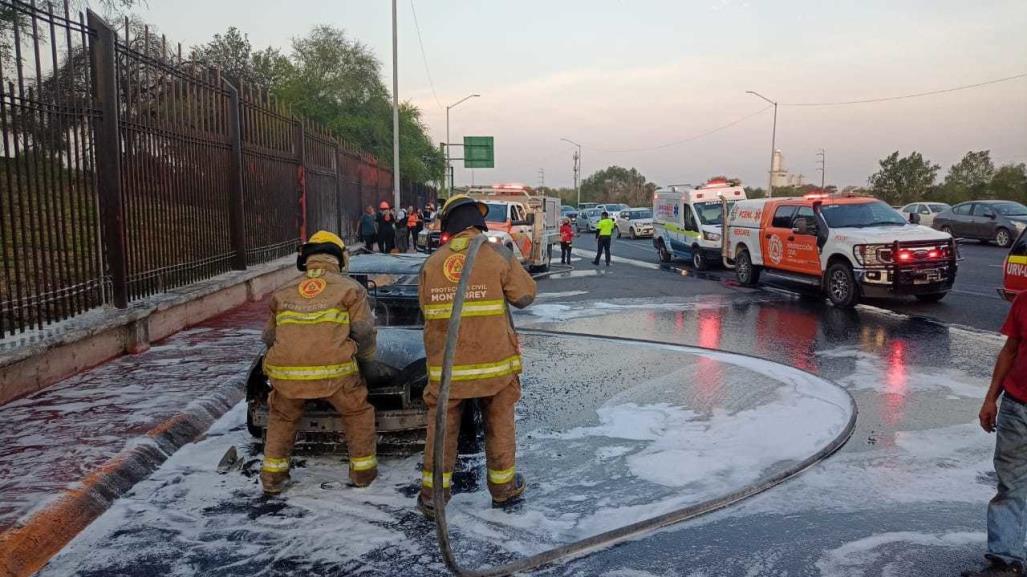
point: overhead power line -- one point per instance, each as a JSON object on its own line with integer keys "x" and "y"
{"x": 685, "y": 140}
{"x": 424, "y": 57}
{"x": 905, "y": 96}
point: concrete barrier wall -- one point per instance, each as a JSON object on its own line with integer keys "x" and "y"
{"x": 32, "y": 363}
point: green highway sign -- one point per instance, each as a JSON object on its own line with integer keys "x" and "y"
{"x": 479, "y": 152}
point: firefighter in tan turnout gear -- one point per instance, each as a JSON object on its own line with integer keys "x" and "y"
{"x": 487, "y": 361}
{"x": 319, "y": 328}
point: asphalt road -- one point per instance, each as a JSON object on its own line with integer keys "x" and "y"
{"x": 906, "y": 496}
{"x": 973, "y": 302}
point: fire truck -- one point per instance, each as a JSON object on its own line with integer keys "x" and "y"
{"x": 527, "y": 224}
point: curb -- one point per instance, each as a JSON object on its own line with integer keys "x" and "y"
{"x": 30, "y": 544}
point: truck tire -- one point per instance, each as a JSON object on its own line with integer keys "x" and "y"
{"x": 699, "y": 261}
{"x": 747, "y": 273}
{"x": 931, "y": 298}
{"x": 841, "y": 286}
{"x": 1003, "y": 238}
{"x": 665, "y": 255}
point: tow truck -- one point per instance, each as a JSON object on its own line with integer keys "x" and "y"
{"x": 1015, "y": 267}
{"x": 527, "y": 224}
{"x": 849, "y": 247}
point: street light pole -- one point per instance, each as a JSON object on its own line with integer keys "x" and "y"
{"x": 773, "y": 143}
{"x": 449, "y": 169}
{"x": 577, "y": 169}
{"x": 395, "y": 110}
{"x": 823, "y": 167}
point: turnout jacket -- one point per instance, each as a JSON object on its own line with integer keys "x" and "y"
{"x": 319, "y": 326}
{"x": 487, "y": 353}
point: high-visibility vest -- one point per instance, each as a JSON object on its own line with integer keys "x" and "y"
{"x": 412, "y": 219}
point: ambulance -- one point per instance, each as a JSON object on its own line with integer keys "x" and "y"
{"x": 1015, "y": 268}
{"x": 848, "y": 247}
{"x": 687, "y": 221}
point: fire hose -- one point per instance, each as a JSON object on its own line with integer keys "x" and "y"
{"x": 601, "y": 540}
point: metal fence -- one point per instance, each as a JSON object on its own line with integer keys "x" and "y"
{"x": 127, "y": 171}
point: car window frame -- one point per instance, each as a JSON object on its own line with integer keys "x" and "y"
{"x": 986, "y": 209}
{"x": 775, "y": 218}
{"x": 969, "y": 211}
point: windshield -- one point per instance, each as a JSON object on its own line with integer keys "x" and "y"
{"x": 497, "y": 213}
{"x": 1010, "y": 208}
{"x": 861, "y": 215}
{"x": 638, "y": 214}
{"x": 710, "y": 212}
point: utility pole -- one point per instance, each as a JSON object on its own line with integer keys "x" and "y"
{"x": 577, "y": 169}
{"x": 773, "y": 143}
{"x": 823, "y": 167}
{"x": 541, "y": 179}
{"x": 395, "y": 109}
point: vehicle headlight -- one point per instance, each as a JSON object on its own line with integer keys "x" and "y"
{"x": 1019, "y": 225}
{"x": 493, "y": 239}
{"x": 711, "y": 236}
{"x": 873, "y": 254}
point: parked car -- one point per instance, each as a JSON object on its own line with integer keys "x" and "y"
{"x": 1015, "y": 268}
{"x": 569, "y": 212}
{"x": 924, "y": 211}
{"x": 587, "y": 220}
{"x": 998, "y": 221}
{"x": 635, "y": 223}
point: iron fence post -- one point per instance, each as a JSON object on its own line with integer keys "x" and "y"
{"x": 339, "y": 209}
{"x": 301, "y": 159}
{"x": 236, "y": 194}
{"x": 108, "y": 155}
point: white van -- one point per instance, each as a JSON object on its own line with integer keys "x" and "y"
{"x": 687, "y": 221}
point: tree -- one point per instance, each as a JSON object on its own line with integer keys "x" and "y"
{"x": 903, "y": 180}
{"x": 617, "y": 184}
{"x": 969, "y": 178}
{"x": 1010, "y": 183}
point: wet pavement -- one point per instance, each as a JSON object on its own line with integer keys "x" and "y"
{"x": 906, "y": 495}
{"x": 59, "y": 435}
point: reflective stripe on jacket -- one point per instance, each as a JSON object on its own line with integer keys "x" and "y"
{"x": 487, "y": 354}
{"x": 319, "y": 325}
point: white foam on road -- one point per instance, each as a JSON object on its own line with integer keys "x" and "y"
{"x": 890, "y": 554}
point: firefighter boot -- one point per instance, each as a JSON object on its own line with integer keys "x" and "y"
{"x": 362, "y": 478}
{"x": 274, "y": 483}
{"x": 508, "y": 494}
{"x": 425, "y": 504}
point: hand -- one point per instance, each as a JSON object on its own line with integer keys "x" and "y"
{"x": 988, "y": 415}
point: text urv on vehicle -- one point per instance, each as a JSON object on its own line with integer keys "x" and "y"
{"x": 847, "y": 247}
{"x": 1015, "y": 267}
{"x": 527, "y": 224}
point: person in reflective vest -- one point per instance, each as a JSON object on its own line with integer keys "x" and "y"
{"x": 604, "y": 235}
{"x": 487, "y": 362}
{"x": 319, "y": 328}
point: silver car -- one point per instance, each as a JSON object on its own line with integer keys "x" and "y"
{"x": 587, "y": 219}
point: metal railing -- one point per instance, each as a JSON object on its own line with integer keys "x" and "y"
{"x": 127, "y": 171}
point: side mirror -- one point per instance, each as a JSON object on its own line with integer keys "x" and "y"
{"x": 991, "y": 215}
{"x": 914, "y": 218}
{"x": 801, "y": 226}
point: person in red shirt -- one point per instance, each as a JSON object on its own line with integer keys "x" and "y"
{"x": 566, "y": 239}
{"x": 1007, "y": 511}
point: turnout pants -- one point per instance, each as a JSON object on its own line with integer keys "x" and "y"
{"x": 357, "y": 420}
{"x": 500, "y": 443}
{"x": 602, "y": 244}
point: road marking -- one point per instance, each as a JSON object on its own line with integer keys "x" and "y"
{"x": 591, "y": 255}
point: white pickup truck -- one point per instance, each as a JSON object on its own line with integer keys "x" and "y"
{"x": 848, "y": 247}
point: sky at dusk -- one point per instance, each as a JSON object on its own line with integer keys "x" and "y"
{"x": 636, "y": 81}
